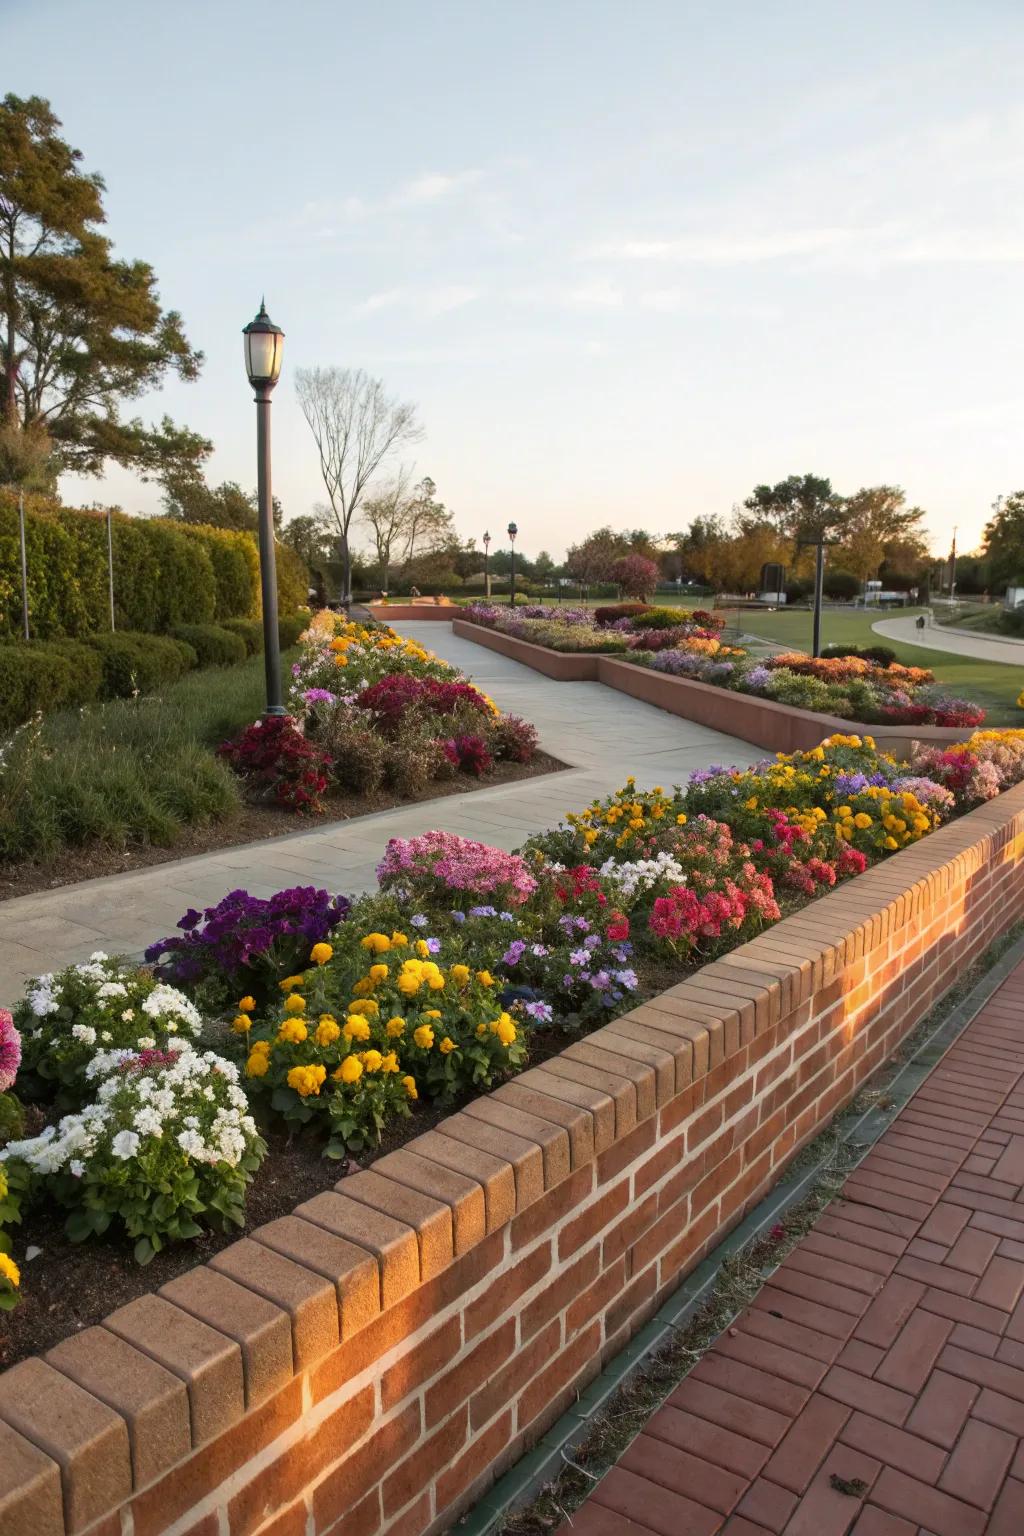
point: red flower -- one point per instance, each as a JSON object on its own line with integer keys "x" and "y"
{"x": 618, "y": 928}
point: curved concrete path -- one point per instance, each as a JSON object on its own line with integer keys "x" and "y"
{"x": 956, "y": 642}
{"x": 602, "y": 734}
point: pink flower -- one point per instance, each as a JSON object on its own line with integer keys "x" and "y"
{"x": 10, "y": 1050}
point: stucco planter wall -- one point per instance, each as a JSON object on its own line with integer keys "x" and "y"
{"x": 776, "y": 727}
{"x": 370, "y": 1363}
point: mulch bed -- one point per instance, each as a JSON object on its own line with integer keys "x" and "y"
{"x": 70, "y": 1286}
{"x": 253, "y": 824}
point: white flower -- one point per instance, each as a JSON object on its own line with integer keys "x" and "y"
{"x": 146, "y": 1043}
{"x": 84, "y": 1032}
{"x": 147, "y": 1122}
{"x": 76, "y": 1167}
{"x": 125, "y": 1144}
{"x": 106, "y": 1036}
{"x": 128, "y": 1015}
{"x": 98, "y": 954}
{"x": 112, "y": 989}
{"x": 192, "y": 1143}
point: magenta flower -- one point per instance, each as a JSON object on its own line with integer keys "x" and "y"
{"x": 10, "y": 1050}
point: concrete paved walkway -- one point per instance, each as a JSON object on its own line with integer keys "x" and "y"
{"x": 876, "y": 1384}
{"x": 604, "y": 735}
{"x": 958, "y": 642}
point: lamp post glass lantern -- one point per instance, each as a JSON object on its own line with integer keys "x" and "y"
{"x": 264, "y": 345}
{"x": 512, "y": 531}
{"x": 487, "y": 567}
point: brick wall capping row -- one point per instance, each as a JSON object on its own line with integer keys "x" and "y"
{"x": 764, "y": 722}
{"x": 164, "y": 1386}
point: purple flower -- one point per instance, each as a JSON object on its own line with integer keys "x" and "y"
{"x": 458, "y": 917}
{"x": 319, "y": 696}
{"x": 579, "y": 957}
{"x": 542, "y": 1012}
{"x": 757, "y": 677}
{"x": 419, "y": 921}
{"x": 540, "y": 950}
{"x": 514, "y": 953}
{"x": 507, "y": 917}
{"x": 591, "y": 941}
{"x": 434, "y": 946}
{"x": 483, "y": 911}
{"x": 601, "y": 982}
{"x": 628, "y": 979}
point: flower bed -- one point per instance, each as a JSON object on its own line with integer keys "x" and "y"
{"x": 375, "y": 1358}
{"x": 685, "y": 644}
{"x": 370, "y": 709}
{"x": 344, "y": 1016}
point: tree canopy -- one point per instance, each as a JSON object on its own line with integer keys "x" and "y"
{"x": 81, "y": 332}
{"x": 188, "y": 498}
{"x": 1004, "y": 540}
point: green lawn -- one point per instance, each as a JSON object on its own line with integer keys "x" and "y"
{"x": 990, "y": 683}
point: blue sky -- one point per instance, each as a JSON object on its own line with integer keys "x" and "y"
{"x": 629, "y": 258}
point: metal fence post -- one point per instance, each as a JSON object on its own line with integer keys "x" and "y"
{"x": 110, "y": 563}
{"x": 24, "y": 564}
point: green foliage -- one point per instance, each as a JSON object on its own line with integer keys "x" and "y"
{"x": 292, "y": 579}
{"x": 235, "y": 564}
{"x": 1004, "y": 540}
{"x": 139, "y": 663}
{"x": 289, "y": 627}
{"x": 31, "y": 680}
{"x": 83, "y": 330}
{"x": 661, "y": 618}
{"x": 215, "y": 647}
{"x": 251, "y": 631}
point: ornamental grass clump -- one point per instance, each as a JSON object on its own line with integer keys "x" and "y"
{"x": 165, "y": 1148}
{"x": 101, "y": 1004}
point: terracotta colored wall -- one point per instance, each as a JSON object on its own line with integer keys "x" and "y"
{"x": 776, "y": 727}
{"x": 393, "y": 613}
{"x": 368, "y": 1365}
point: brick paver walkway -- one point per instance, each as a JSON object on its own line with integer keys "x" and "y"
{"x": 876, "y": 1384}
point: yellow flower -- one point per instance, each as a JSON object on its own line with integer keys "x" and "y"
{"x": 246, "y": 1004}
{"x": 9, "y": 1270}
{"x": 891, "y": 842}
{"x": 372, "y": 1060}
{"x": 431, "y": 1013}
{"x": 409, "y": 984}
{"x": 356, "y": 1028}
{"x": 351, "y": 1070}
{"x": 399, "y": 940}
{"x": 306, "y": 1080}
{"x": 258, "y": 1064}
{"x": 364, "y": 1005}
{"x": 436, "y": 983}
{"x": 506, "y": 1030}
{"x": 294, "y": 1003}
{"x": 862, "y": 820}
{"x": 378, "y": 943}
{"x": 327, "y": 1031}
{"x": 680, "y": 821}
{"x": 320, "y": 954}
{"x": 447, "y": 1045}
{"x": 422, "y": 948}
{"x": 389, "y": 1062}
{"x": 459, "y": 974}
{"x": 409, "y": 1084}
{"x": 290, "y": 982}
{"x": 424, "y": 1037}
{"x": 481, "y": 1030}
{"x": 485, "y": 978}
{"x": 242, "y": 1024}
{"x": 378, "y": 972}
{"x": 294, "y": 1030}
{"x": 395, "y": 1027}
{"x": 363, "y": 987}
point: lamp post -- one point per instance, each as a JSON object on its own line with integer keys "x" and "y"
{"x": 819, "y": 543}
{"x": 264, "y": 345}
{"x": 487, "y": 567}
{"x": 512, "y": 531}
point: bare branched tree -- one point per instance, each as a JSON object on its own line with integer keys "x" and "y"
{"x": 386, "y": 511}
{"x": 356, "y": 426}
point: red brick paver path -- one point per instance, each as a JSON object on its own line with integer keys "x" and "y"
{"x": 886, "y": 1352}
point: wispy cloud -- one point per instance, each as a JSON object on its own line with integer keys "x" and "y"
{"x": 433, "y": 186}
{"x": 724, "y": 248}
{"x": 428, "y": 302}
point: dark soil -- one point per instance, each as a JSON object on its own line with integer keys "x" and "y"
{"x": 253, "y": 824}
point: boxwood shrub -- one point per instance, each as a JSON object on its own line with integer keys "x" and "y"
{"x": 139, "y": 663}
{"x": 250, "y": 630}
{"x": 214, "y": 646}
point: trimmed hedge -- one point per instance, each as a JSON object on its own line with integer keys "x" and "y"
{"x": 165, "y": 573}
{"x": 250, "y": 630}
{"x": 289, "y": 627}
{"x": 215, "y": 647}
{"x": 138, "y": 663}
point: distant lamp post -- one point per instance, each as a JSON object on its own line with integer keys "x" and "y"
{"x": 264, "y": 346}
{"x": 487, "y": 566}
{"x": 512, "y": 531}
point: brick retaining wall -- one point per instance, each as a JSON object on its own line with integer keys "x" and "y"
{"x": 766, "y": 723}
{"x": 369, "y": 1364}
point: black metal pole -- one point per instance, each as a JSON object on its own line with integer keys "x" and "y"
{"x": 819, "y": 580}
{"x": 487, "y": 577}
{"x": 268, "y": 564}
{"x": 512, "y": 580}
{"x": 24, "y": 564}
{"x": 110, "y": 564}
